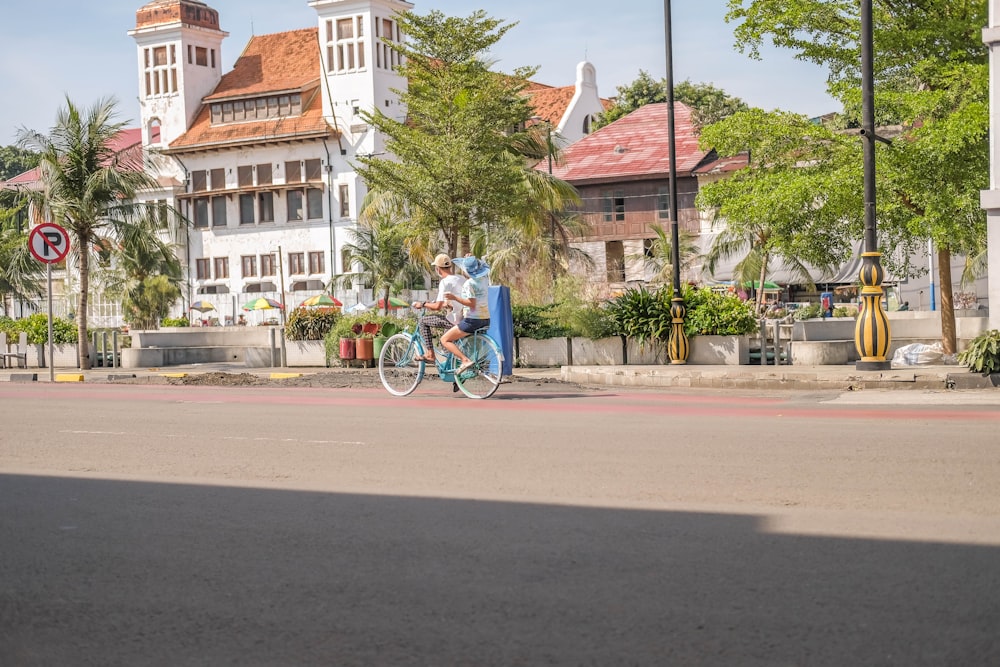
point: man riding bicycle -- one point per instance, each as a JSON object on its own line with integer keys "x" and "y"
{"x": 448, "y": 312}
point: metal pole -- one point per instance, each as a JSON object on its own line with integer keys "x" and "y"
{"x": 871, "y": 332}
{"x": 281, "y": 281}
{"x": 48, "y": 273}
{"x": 677, "y": 346}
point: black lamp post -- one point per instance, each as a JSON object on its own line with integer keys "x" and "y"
{"x": 678, "y": 346}
{"x": 871, "y": 333}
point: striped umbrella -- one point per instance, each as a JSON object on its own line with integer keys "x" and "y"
{"x": 262, "y": 304}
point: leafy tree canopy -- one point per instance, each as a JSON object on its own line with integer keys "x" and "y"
{"x": 709, "y": 104}
{"x": 15, "y": 160}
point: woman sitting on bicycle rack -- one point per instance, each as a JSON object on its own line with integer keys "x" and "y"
{"x": 475, "y": 298}
{"x": 450, "y": 282}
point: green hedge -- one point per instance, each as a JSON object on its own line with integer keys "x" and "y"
{"x": 37, "y": 328}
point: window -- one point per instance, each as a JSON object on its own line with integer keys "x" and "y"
{"x": 296, "y": 262}
{"x": 316, "y": 262}
{"x": 154, "y": 131}
{"x": 345, "y": 202}
{"x": 294, "y": 198}
{"x": 615, "y": 261}
{"x": 293, "y": 172}
{"x": 160, "y": 70}
{"x": 266, "y": 201}
{"x": 345, "y": 44}
{"x": 201, "y": 212}
{"x": 385, "y": 56}
{"x": 199, "y": 180}
{"x": 203, "y": 269}
{"x": 218, "y": 178}
{"x": 221, "y": 267}
{"x": 245, "y": 176}
{"x": 647, "y": 247}
{"x": 246, "y": 209}
{"x": 219, "y": 211}
{"x": 619, "y": 205}
{"x": 264, "y": 174}
{"x": 267, "y": 265}
{"x": 201, "y": 56}
{"x": 663, "y": 203}
{"x": 607, "y": 206}
{"x": 314, "y": 170}
{"x": 314, "y": 203}
{"x": 249, "y": 265}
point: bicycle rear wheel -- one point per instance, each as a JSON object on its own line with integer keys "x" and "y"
{"x": 398, "y": 367}
{"x": 483, "y": 379}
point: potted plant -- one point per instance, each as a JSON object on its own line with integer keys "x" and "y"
{"x": 365, "y": 344}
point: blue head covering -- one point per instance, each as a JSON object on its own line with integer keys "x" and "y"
{"x": 473, "y": 266}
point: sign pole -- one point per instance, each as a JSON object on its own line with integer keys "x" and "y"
{"x": 52, "y": 370}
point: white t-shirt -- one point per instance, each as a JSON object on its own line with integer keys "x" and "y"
{"x": 453, "y": 284}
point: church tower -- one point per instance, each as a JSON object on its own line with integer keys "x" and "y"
{"x": 359, "y": 71}
{"x": 179, "y": 46}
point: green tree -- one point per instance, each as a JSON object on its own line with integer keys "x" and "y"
{"x": 380, "y": 250}
{"x": 659, "y": 257}
{"x": 456, "y": 167}
{"x": 15, "y": 160}
{"x": 792, "y": 204}
{"x": 90, "y": 188}
{"x": 931, "y": 78}
{"x": 21, "y": 274}
{"x": 708, "y": 103}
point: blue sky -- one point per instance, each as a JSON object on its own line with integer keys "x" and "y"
{"x": 81, "y": 49}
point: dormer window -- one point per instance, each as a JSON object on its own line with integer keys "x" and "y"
{"x": 258, "y": 108}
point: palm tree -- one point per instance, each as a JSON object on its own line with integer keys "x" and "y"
{"x": 754, "y": 242}
{"x": 20, "y": 274}
{"x": 380, "y": 249}
{"x": 146, "y": 275}
{"x": 658, "y": 258}
{"x": 89, "y": 186}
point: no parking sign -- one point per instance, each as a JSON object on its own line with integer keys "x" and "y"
{"x": 48, "y": 243}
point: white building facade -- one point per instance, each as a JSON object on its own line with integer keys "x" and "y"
{"x": 259, "y": 159}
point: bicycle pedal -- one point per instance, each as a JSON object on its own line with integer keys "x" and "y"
{"x": 454, "y": 387}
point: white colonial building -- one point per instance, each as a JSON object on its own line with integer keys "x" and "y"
{"x": 259, "y": 159}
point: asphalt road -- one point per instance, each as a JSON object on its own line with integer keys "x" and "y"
{"x": 190, "y": 525}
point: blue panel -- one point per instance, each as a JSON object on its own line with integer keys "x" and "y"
{"x": 502, "y": 325}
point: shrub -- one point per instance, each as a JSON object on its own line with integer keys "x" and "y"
{"x": 641, "y": 315}
{"x": 175, "y": 322}
{"x": 712, "y": 314}
{"x": 539, "y": 322}
{"x": 37, "y": 328}
{"x": 310, "y": 324}
{"x": 813, "y": 310}
{"x": 845, "y": 311}
{"x": 983, "y": 353}
{"x": 594, "y": 321}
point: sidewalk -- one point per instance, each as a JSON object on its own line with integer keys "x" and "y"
{"x": 842, "y": 378}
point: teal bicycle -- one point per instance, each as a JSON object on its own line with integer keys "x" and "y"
{"x": 401, "y": 369}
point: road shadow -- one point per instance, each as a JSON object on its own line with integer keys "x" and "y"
{"x": 132, "y": 573}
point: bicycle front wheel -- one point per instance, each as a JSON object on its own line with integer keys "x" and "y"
{"x": 398, "y": 367}
{"x": 483, "y": 379}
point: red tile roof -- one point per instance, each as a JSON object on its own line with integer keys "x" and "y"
{"x": 273, "y": 63}
{"x": 633, "y": 147}
{"x": 283, "y": 61}
{"x": 127, "y": 144}
{"x": 550, "y": 103}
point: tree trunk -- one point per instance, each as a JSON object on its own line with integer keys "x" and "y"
{"x": 83, "y": 345}
{"x": 760, "y": 290}
{"x": 948, "y": 338}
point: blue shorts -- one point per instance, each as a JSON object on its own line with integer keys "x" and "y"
{"x": 468, "y": 325}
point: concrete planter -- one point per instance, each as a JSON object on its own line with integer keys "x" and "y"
{"x": 65, "y": 355}
{"x": 652, "y": 353}
{"x": 720, "y": 350}
{"x": 545, "y": 352}
{"x": 601, "y": 352}
{"x": 305, "y": 353}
